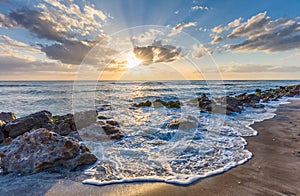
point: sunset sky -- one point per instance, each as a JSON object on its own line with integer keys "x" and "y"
{"x": 157, "y": 39}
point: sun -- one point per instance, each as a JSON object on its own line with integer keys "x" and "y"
{"x": 132, "y": 61}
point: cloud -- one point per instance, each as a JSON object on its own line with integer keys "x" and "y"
{"x": 181, "y": 26}
{"x": 157, "y": 53}
{"x": 263, "y": 34}
{"x": 216, "y": 39}
{"x": 255, "y": 25}
{"x": 197, "y": 7}
{"x": 220, "y": 28}
{"x": 251, "y": 68}
{"x": 8, "y": 41}
{"x": 260, "y": 33}
{"x": 7, "y": 21}
{"x": 71, "y": 27}
{"x": 18, "y": 57}
{"x": 200, "y": 51}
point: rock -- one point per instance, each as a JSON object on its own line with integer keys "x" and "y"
{"x": 2, "y": 135}
{"x": 257, "y": 91}
{"x": 143, "y": 104}
{"x": 112, "y": 122}
{"x": 172, "y": 104}
{"x": 7, "y": 117}
{"x": 27, "y": 123}
{"x": 247, "y": 99}
{"x": 231, "y": 104}
{"x": 41, "y": 149}
{"x": 158, "y": 103}
{"x": 102, "y": 117}
{"x": 113, "y": 131}
{"x": 2, "y": 124}
{"x": 182, "y": 124}
{"x": 84, "y": 119}
{"x": 65, "y": 124}
{"x": 75, "y": 135}
{"x": 110, "y": 129}
{"x": 205, "y": 103}
{"x": 258, "y": 105}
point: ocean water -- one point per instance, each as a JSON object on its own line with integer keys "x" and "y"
{"x": 150, "y": 151}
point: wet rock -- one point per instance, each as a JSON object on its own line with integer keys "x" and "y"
{"x": 65, "y": 124}
{"x": 205, "y": 103}
{"x": 41, "y": 149}
{"x": 7, "y": 117}
{"x": 110, "y": 129}
{"x": 2, "y": 135}
{"x": 182, "y": 124}
{"x": 102, "y": 117}
{"x": 112, "y": 122}
{"x": 158, "y": 104}
{"x": 231, "y": 104}
{"x": 258, "y": 105}
{"x": 143, "y": 104}
{"x": 172, "y": 104}
{"x": 75, "y": 135}
{"x": 84, "y": 119}
{"x": 113, "y": 131}
{"x": 34, "y": 121}
{"x": 248, "y": 99}
{"x": 258, "y": 91}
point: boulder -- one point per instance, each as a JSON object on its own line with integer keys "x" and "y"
{"x": 34, "y": 121}
{"x": 7, "y": 117}
{"x": 205, "y": 103}
{"x": 113, "y": 131}
{"x": 2, "y": 133}
{"x": 182, "y": 124}
{"x": 112, "y": 122}
{"x": 143, "y": 104}
{"x": 68, "y": 123}
{"x": 231, "y": 104}
{"x": 248, "y": 99}
{"x": 41, "y": 149}
{"x": 102, "y": 117}
{"x": 84, "y": 119}
{"x": 65, "y": 124}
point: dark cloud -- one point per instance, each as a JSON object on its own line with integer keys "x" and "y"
{"x": 71, "y": 52}
{"x": 37, "y": 23}
{"x": 64, "y": 23}
{"x": 157, "y": 53}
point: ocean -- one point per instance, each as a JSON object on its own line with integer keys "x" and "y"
{"x": 150, "y": 151}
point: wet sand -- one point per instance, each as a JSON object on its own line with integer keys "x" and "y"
{"x": 274, "y": 169}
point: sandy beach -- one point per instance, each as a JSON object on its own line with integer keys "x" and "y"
{"x": 274, "y": 169}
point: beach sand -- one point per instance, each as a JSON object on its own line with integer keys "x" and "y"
{"x": 274, "y": 169}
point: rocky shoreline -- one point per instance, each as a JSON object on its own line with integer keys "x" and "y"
{"x": 230, "y": 104}
{"x": 41, "y": 141}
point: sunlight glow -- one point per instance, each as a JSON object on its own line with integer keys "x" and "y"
{"x": 132, "y": 61}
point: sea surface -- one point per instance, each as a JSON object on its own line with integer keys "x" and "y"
{"x": 150, "y": 151}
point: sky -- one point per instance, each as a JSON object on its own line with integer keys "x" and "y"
{"x": 149, "y": 40}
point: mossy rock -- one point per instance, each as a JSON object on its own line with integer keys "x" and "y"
{"x": 55, "y": 118}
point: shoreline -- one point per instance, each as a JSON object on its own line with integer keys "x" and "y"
{"x": 273, "y": 170}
